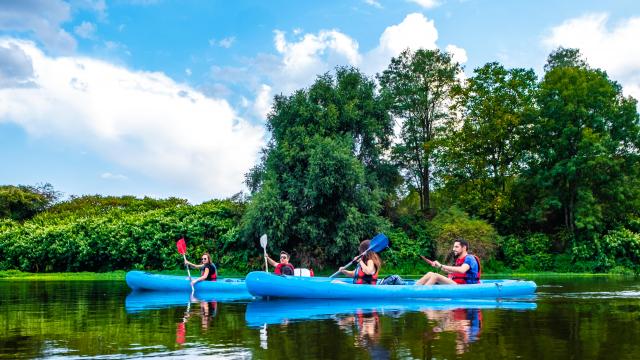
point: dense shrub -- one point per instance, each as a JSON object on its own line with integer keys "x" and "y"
{"x": 124, "y": 238}
{"x": 453, "y": 223}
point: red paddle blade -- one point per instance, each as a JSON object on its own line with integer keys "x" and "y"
{"x": 182, "y": 247}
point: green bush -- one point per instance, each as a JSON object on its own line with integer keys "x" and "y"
{"x": 133, "y": 235}
{"x": 618, "y": 248}
{"x": 454, "y": 223}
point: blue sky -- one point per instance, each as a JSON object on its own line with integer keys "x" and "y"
{"x": 168, "y": 98}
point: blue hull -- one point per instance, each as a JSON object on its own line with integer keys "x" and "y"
{"x": 144, "y": 281}
{"x": 282, "y": 311}
{"x": 138, "y": 301}
{"x": 269, "y": 285}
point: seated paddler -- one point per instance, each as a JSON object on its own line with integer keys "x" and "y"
{"x": 284, "y": 267}
{"x": 208, "y": 271}
{"x": 367, "y": 266}
{"x": 466, "y": 269}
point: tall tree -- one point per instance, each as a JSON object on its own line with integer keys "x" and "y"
{"x": 418, "y": 86}
{"x": 22, "y": 202}
{"x": 482, "y": 153}
{"x": 584, "y": 160}
{"x": 320, "y": 185}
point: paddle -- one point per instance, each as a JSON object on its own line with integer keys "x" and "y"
{"x": 182, "y": 249}
{"x": 430, "y": 262}
{"x": 263, "y": 243}
{"x": 377, "y": 244}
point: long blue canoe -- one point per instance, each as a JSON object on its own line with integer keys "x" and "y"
{"x": 144, "y": 281}
{"x": 282, "y": 311}
{"x": 138, "y": 301}
{"x": 269, "y": 285}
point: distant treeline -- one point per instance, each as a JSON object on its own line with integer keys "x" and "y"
{"x": 539, "y": 174}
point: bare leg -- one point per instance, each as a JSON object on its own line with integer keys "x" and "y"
{"x": 431, "y": 278}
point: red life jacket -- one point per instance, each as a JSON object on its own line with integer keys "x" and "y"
{"x": 213, "y": 272}
{"x": 468, "y": 277}
{"x": 279, "y": 271}
{"x": 359, "y": 277}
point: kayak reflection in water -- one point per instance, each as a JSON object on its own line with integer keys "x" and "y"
{"x": 465, "y": 323}
{"x": 367, "y": 332}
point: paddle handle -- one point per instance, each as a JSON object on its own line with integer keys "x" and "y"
{"x": 266, "y": 265}
{"x": 187, "y": 266}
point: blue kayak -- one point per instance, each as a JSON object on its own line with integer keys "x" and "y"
{"x": 138, "y": 301}
{"x": 144, "y": 281}
{"x": 281, "y": 311}
{"x": 269, "y": 285}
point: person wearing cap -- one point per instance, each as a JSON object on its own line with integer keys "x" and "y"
{"x": 283, "y": 267}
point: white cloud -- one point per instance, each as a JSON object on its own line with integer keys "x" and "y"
{"x": 614, "y": 49}
{"x": 224, "y": 43}
{"x": 85, "y": 30}
{"x": 373, "y": 3}
{"x": 414, "y": 32}
{"x": 188, "y": 71}
{"x": 262, "y": 104}
{"x": 427, "y": 4}
{"x": 227, "y": 42}
{"x": 458, "y": 54}
{"x": 302, "y": 57}
{"x": 141, "y": 121}
{"x": 41, "y": 19}
{"x": 311, "y": 55}
{"x": 110, "y": 176}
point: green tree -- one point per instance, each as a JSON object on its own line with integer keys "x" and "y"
{"x": 583, "y": 164}
{"x": 418, "y": 86}
{"x": 23, "y": 202}
{"x": 482, "y": 153}
{"x": 321, "y": 181}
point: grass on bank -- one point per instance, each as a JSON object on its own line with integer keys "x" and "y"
{"x": 120, "y": 275}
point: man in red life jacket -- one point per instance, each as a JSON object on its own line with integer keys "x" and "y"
{"x": 465, "y": 271}
{"x": 283, "y": 267}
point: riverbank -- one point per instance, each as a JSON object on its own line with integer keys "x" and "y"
{"x": 120, "y": 275}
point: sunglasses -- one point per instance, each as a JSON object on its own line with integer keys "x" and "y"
{"x": 204, "y": 259}
{"x": 283, "y": 257}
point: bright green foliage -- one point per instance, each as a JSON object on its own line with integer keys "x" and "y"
{"x": 619, "y": 248}
{"x": 123, "y": 237}
{"x": 481, "y": 157}
{"x": 323, "y": 178}
{"x": 584, "y": 164}
{"x": 418, "y": 86}
{"x": 404, "y": 251}
{"x": 531, "y": 253}
{"x": 454, "y": 223}
{"x": 23, "y": 202}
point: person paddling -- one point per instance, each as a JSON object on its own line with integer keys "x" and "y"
{"x": 368, "y": 266}
{"x": 283, "y": 267}
{"x": 465, "y": 271}
{"x": 208, "y": 271}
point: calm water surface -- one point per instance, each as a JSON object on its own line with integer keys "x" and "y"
{"x": 571, "y": 318}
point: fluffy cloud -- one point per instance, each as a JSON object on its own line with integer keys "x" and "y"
{"x": 302, "y": 56}
{"x": 142, "y": 121}
{"x": 613, "y": 48}
{"x": 42, "y": 18}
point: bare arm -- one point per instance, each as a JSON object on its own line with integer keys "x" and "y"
{"x": 453, "y": 269}
{"x": 204, "y": 276}
{"x": 271, "y": 261}
{"x": 369, "y": 268}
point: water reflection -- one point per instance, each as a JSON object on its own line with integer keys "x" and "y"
{"x": 464, "y": 323}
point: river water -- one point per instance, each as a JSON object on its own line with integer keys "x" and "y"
{"x": 570, "y": 318}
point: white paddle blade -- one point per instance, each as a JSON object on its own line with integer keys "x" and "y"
{"x": 263, "y": 241}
